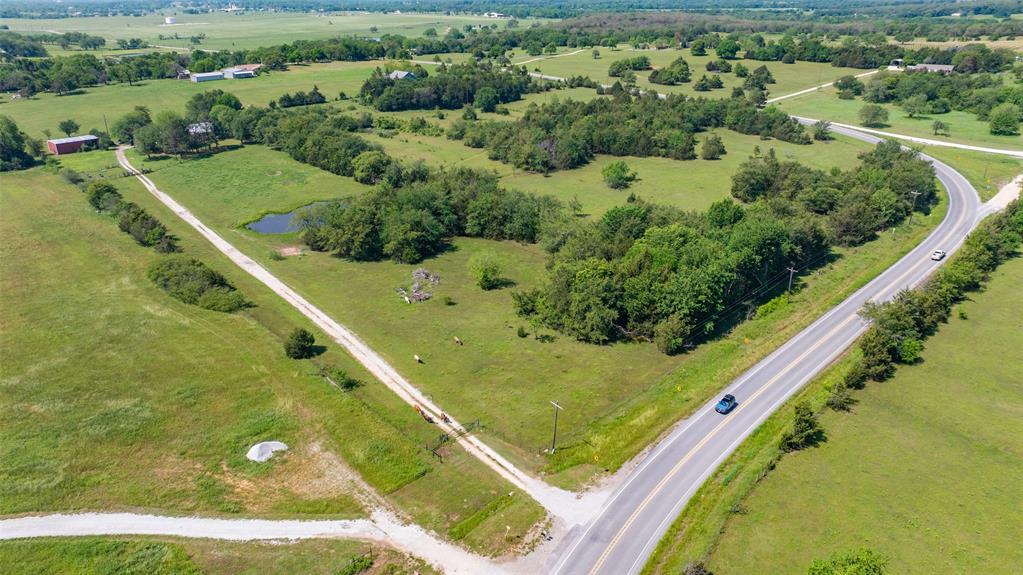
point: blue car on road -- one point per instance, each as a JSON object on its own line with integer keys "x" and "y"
{"x": 726, "y": 404}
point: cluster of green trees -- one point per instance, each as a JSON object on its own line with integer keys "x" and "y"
{"x": 705, "y": 84}
{"x": 449, "y": 87}
{"x": 131, "y": 219}
{"x": 881, "y": 192}
{"x": 414, "y": 220}
{"x": 619, "y": 67}
{"x": 567, "y": 134}
{"x": 67, "y": 74}
{"x": 675, "y": 73}
{"x": 645, "y": 271}
{"x": 195, "y": 283}
{"x": 209, "y": 116}
{"x": 18, "y": 46}
{"x": 920, "y": 93}
{"x": 17, "y": 150}
{"x": 300, "y": 99}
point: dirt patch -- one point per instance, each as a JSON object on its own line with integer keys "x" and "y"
{"x": 290, "y": 251}
{"x": 310, "y": 473}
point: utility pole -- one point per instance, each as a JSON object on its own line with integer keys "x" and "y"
{"x": 912, "y": 211}
{"x": 554, "y": 439}
{"x": 792, "y": 272}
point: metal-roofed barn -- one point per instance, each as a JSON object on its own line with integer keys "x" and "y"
{"x": 401, "y": 75}
{"x": 238, "y": 73}
{"x": 58, "y": 146}
{"x": 207, "y": 76}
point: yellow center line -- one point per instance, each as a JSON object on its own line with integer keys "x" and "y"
{"x": 692, "y": 452}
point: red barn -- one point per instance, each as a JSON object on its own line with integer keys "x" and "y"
{"x": 71, "y": 145}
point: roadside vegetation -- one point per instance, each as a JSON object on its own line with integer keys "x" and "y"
{"x": 904, "y": 449}
{"x": 168, "y": 556}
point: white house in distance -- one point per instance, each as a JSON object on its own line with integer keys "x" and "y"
{"x": 207, "y": 77}
{"x": 169, "y": 20}
{"x": 401, "y": 75}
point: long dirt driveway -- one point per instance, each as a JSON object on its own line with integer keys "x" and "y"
{"x": 561, "y": 503}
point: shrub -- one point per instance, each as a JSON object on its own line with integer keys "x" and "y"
{"x": 486, "y": 270}
{"x": 806, "y": 430}
{"x": 189, "y": 280}
{"x": 822, "y": 130}
{"x": 1004, "y": 119}
{"x": 341, "y": 378}
{"x": 862, "y": 562}
{"x": 617, "y": 175}
{"x": 70, "y": 176}
{"x": 873, "y": 116}
{"x": 713, "y": 148}
{"x": 147, "y": 230}
{"x": 299, "y": 344}
{"x": 103, "y": 196}
{"x": 369, "y": 167}
{"x": 670, "y": 335}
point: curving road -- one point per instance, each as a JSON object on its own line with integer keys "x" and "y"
{"x": 620, "y": 539}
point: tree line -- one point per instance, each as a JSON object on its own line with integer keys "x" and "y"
{"x": 450, "y": 87}
{"x": 566, "y": 134}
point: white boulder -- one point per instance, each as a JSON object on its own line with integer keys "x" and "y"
{"x": 265, "y": 450}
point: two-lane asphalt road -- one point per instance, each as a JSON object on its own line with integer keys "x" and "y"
{"x": 620, "y": 539}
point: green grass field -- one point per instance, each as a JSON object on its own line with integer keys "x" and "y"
{"x": 790, "y": 77}
{"x": 104, "y": 104}
{"x": 248, "y": 30}
{"x": 964, "y": 127}
{"x": 168, "y": 556}
{"x": 987, "y": 172}
{"x": 608, "y": 417}
{"x": 925, "y": 470}
{"x": 693, "y": 184}
{"x": 109, "y": 361}
{"x": 105, "y": 371}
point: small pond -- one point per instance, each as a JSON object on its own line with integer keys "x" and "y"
{"x": 278, "y": 223}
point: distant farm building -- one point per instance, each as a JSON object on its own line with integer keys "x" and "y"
{"x": 71, "y": 145}
{"x": 207, "y": 77}
{"x": 200, "y": 128}
{"x": 238, "y": 73}
{"x": 899, "y": 64}
{"x": 170, "y": 20}
{"x": 401, "y": 75}
{"x": 936, "y": 68}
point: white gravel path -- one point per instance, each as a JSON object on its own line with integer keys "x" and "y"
{"x": 561, "y": 503}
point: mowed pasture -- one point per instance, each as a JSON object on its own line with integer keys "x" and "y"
{"x": 99, "y": 106}
{"x": 964, "y": 127}
{"x": 112, "y": 387}
{"x": 691, "y": 184}
{"x": 170, "y": 556}
{"x": 617, "y": 397}
{"x": 789, "y": 77}
{"x": 247, "y": 30}
{"x": 925, "y": 470}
